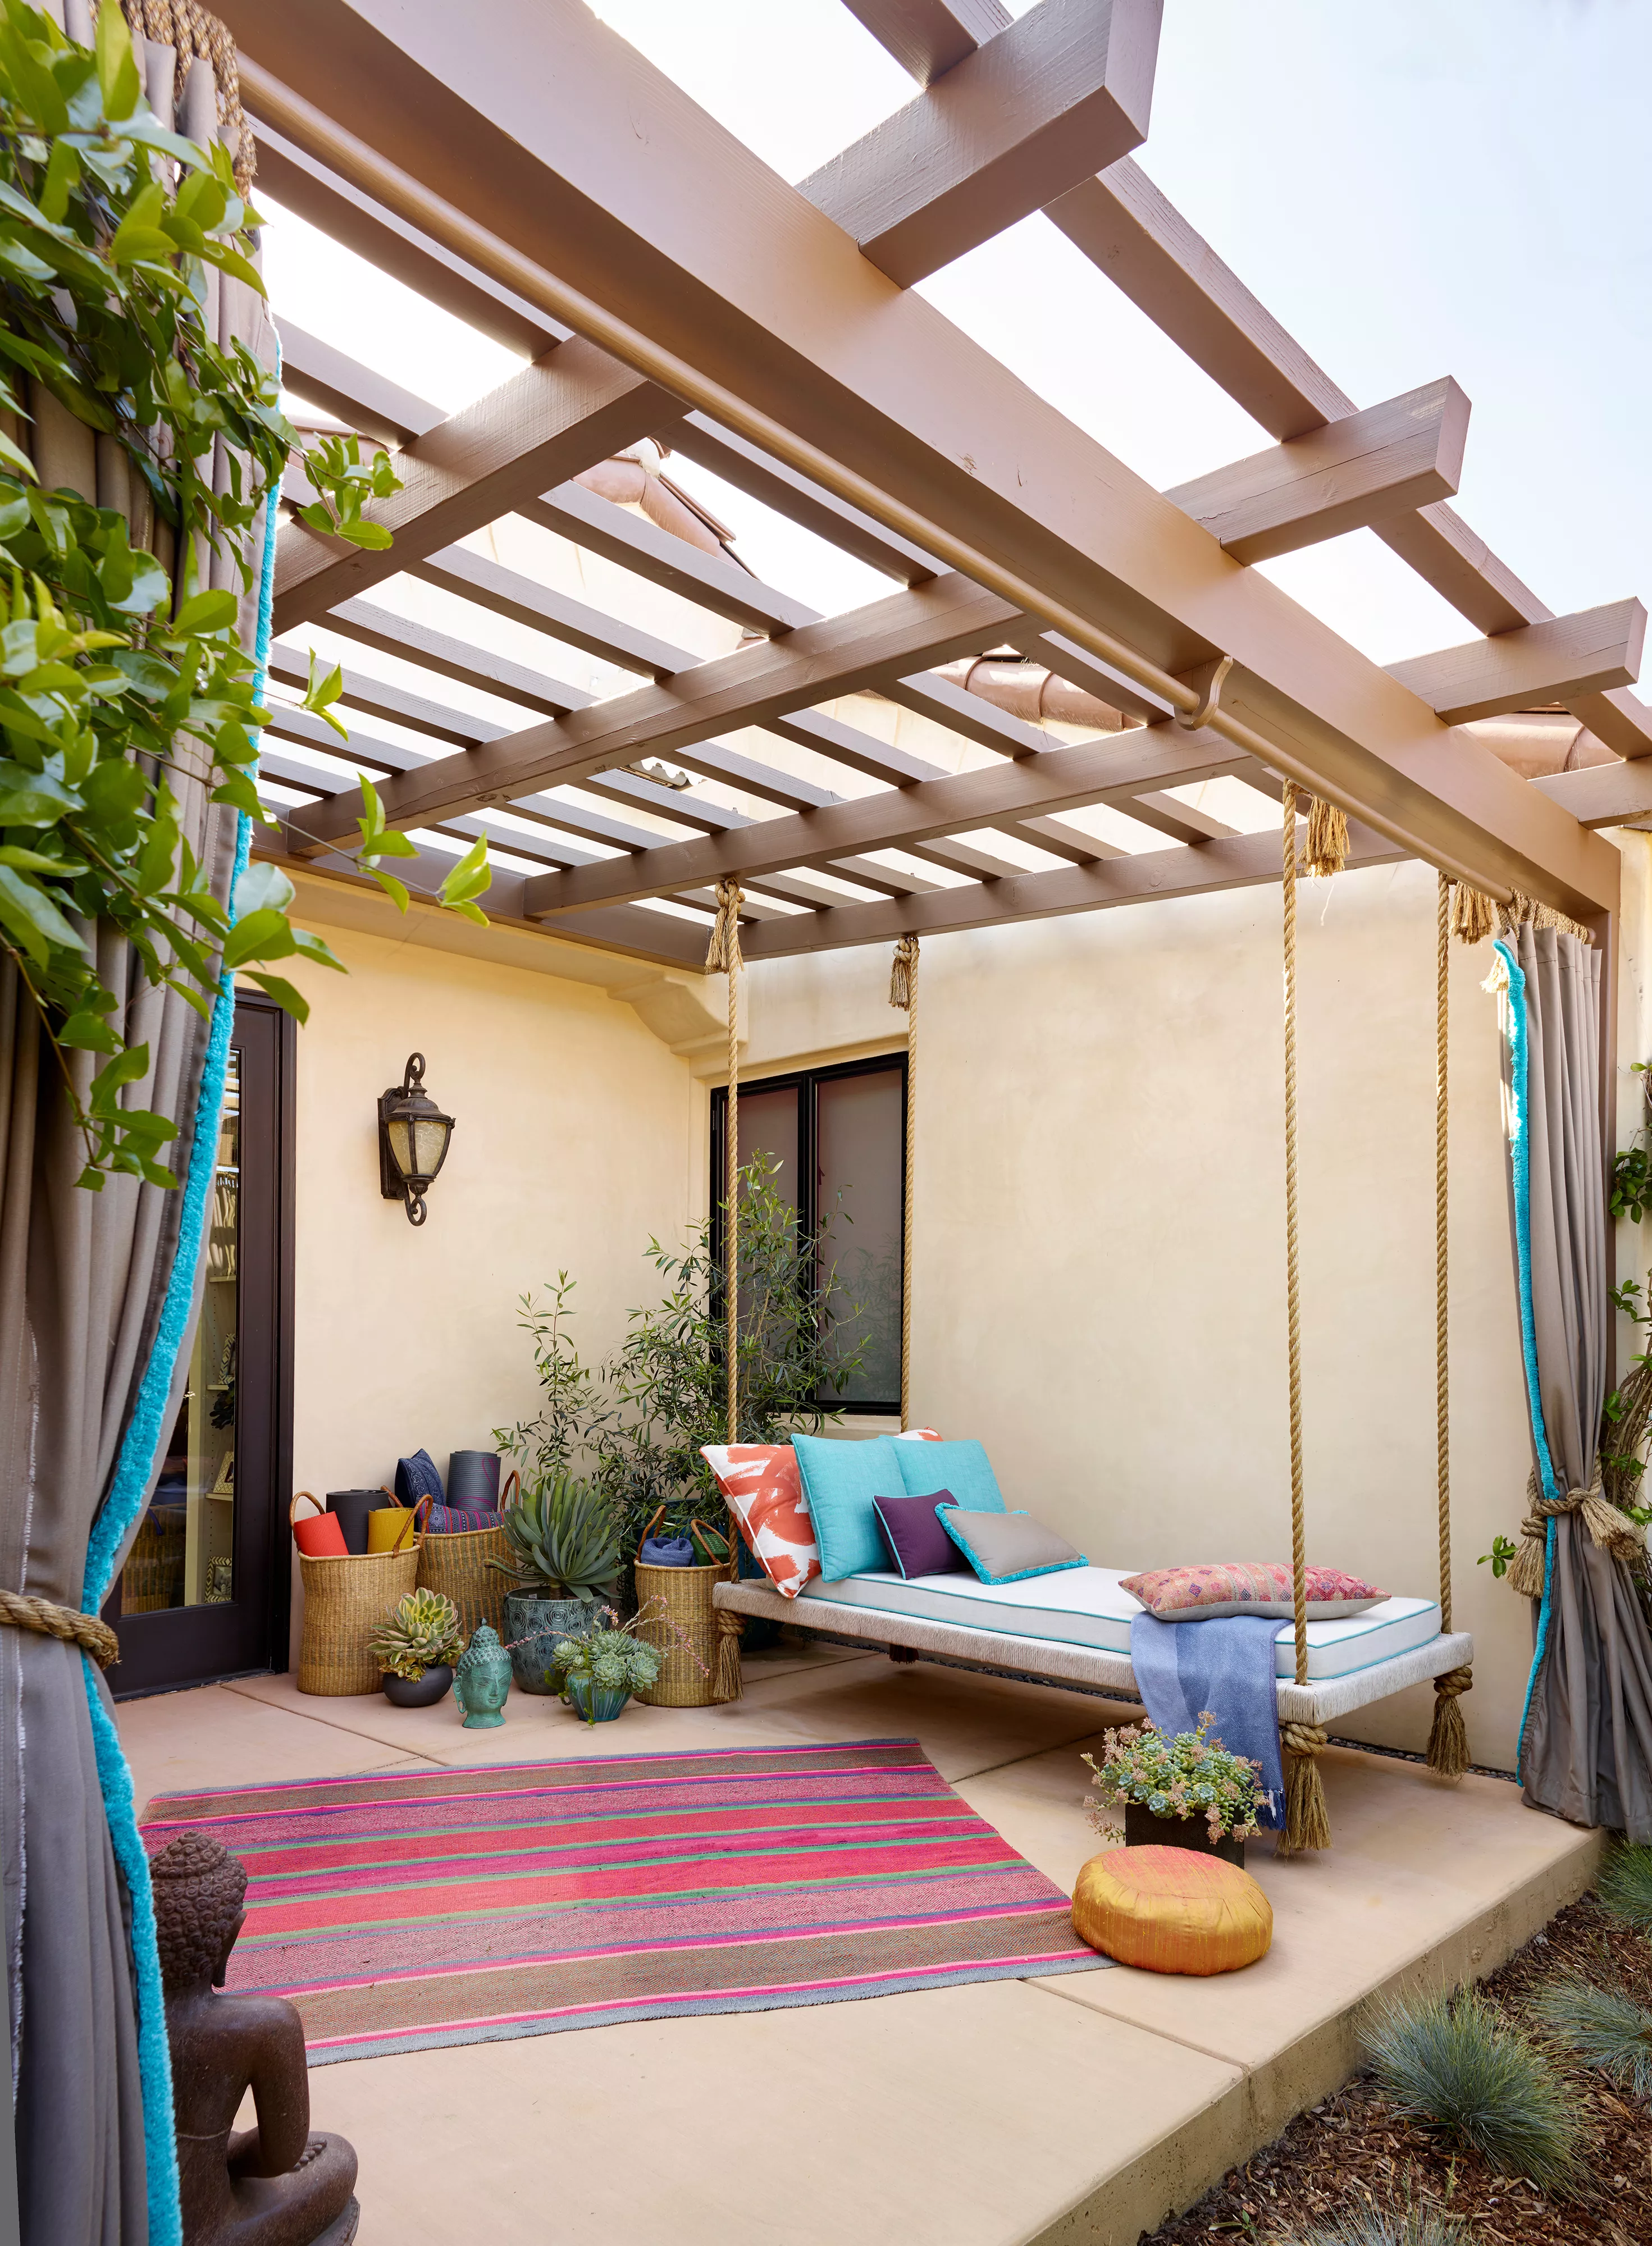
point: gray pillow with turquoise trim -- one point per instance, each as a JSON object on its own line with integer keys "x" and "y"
{"x": 1007, "y": 1548}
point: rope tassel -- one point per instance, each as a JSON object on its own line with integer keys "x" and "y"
{"x": 722, "y": 953}
{"x": 1326, "y": 850}
{"x": 1308, "y": 1823}
{"x": 903, "y": 974}
{"x": 1448, "y": 1735}
{"x": 1473, "y": 916}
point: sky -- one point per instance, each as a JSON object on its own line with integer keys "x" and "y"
{"x": 1414, "y": 188}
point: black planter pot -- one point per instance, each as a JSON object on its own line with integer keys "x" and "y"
{"x": 1143, "y": 1830}
{"x": 420, "y": 1692}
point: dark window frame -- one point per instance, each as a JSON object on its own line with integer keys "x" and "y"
{"x": 806, "y": 1082}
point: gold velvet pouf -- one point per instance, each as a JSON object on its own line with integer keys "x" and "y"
{"x": 1171, "y": 1910}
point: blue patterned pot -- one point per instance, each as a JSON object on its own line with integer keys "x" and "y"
{"x": 598, "y": 1703}
{"x": 534, "y": 1628}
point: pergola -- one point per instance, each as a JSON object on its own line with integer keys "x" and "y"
{"x": 523, "y": 166}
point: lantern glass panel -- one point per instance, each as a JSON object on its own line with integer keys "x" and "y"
{"x": 429, "y": 1144}
{"x": 400, "y": 1132}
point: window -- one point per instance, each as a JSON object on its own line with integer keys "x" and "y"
{"x": 839, "y": 1138}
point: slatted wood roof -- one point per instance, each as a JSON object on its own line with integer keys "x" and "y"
{"x": 533, "y": 174}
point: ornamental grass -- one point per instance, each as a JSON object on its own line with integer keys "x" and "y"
{"x": 1603, "y": 2029}
{"x": 1371, "y": 2226}
{"x": 1625, "y": 1887}
{"x": 1457, "y": 2065}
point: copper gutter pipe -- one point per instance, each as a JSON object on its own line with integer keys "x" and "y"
{"x": 409, "y": 199}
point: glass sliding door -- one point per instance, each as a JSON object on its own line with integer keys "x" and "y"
{"x": 203, "y": 1591}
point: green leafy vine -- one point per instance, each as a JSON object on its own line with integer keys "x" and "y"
{"x": 123, "y": 680}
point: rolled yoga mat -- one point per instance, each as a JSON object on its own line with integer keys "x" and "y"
{"x": 473, "y": 1479}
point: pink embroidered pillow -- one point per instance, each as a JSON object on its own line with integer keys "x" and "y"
{"x": 760, "y": 1486}
{"x": 1248, "y": 1586}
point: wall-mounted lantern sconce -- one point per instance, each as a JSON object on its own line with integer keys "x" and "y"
{"x": 413, "y": 1139}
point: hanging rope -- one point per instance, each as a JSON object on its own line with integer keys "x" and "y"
{"x": 722, "y": 957}
{"x": 1307, "y": 1825}
{"x": 904, "y": 992}
{"x": 1447, "y": 1738}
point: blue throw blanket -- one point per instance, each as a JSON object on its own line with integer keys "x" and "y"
{"x": 1227, "y": 1665}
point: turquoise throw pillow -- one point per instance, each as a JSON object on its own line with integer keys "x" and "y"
{"x": 929, "y": 1468}
{"x": 842, "y": 1482}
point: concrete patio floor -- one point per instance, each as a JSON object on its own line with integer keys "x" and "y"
{"x": 1085, "y": 2107}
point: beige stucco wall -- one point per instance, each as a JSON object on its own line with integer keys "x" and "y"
{"x": 570, "y": 1149}
{"x": 1099, "y": 1268}
{"x": 1099, "y": 1273}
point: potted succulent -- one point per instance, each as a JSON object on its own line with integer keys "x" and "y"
{"x": 417, "y": 1645}
{"x": 1184, "y": 1791}
{"x": 598, "y": 1673}
{"x": 563, "y": 1559}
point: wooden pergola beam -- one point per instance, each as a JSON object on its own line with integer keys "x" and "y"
{"x": 364, "y": 401}
{"x": 1051, "y": 100}
{"x": 1244, "y": 861}
{"x": 799, "y": 499}
{"x": 524, "y": 600}
{"x": 931, "y": 624}
{"x": 928, "y": 36}
{"x": 334, "y": 207}
{"x": 1349, "y": 474}
{"x": 1554, "y": 661}
{"x": 713, "y": 581}
{"x": 562, "y": 412}
{"x": 414, "y": 640}
{"x": 554, "y": 153}
{"x": 1058, "y": 779}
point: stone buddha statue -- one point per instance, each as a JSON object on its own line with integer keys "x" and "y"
{"x": 274, "y": 2185}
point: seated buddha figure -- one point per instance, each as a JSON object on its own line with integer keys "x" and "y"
{"x": 274, "y": 2185}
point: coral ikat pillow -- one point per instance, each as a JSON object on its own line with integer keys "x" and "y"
{"x": 1248, "y": 1586}
{"x": 762, "y": 1489}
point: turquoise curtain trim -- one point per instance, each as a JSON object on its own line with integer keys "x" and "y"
{"x": 1519, "y": 1161}
{"x": 128, "y": 1493}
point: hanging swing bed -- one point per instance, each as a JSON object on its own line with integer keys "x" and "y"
{"x": 1078, "y": 1634}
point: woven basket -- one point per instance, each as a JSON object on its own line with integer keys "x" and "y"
{"x": 674, "y": 1616}
{"x": 457, "y": 1562}
{"x": 344, "y": 1599}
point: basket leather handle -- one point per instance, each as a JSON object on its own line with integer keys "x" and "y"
{"x": 511, "y": 1493}
{"x": 293, "y": 1505}
{"x": 414, "y": 1519}
{"x": 658, "y": 1515}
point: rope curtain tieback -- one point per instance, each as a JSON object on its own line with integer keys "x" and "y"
{"x": 722, "y": 957}
{"x": 1609, "y": 1529}
{"x": 1520, "y": 911}
{"x": 903, "y": 993}
{"x": 90, "y": 1632}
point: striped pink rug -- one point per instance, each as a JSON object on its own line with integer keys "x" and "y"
{"x": 462, "y": 1906}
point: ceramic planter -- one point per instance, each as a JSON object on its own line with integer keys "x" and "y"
{"x": 418, "y": 1692}
{"x": 541, "y": 1621}
{"x": 597, "y": 1703}
{"x": 1143, "y": 1830}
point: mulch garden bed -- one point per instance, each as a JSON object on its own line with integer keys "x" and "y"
{"x": 1355, "y": 2151}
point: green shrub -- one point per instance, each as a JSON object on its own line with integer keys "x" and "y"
{"x": 1605, "y": 2030}
{"x": 1625, "y": 1886}
{"x": 1413, "y": 2226}
{"x": 1458, "y": 2064}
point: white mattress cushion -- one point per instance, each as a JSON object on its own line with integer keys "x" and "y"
{"x": 1089, "y": 1606}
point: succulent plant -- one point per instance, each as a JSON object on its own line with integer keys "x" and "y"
{"x": 419, "y": 1632}
{"x": 613, "y": 1660}
{"x": 564, "y": 1540}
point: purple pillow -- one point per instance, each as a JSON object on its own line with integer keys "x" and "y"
{"x": 916, "y": 1542}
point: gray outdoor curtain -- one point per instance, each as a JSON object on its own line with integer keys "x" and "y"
{"x": 95, "y": 1300}
{"x": 1586, "y": 1736}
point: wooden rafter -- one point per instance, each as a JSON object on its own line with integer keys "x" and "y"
{"x": 1059, "y": 778}
{"x": 691, "y": 229}
{"x": 931, "y": 624}
{"x": 1052, "y": 99}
